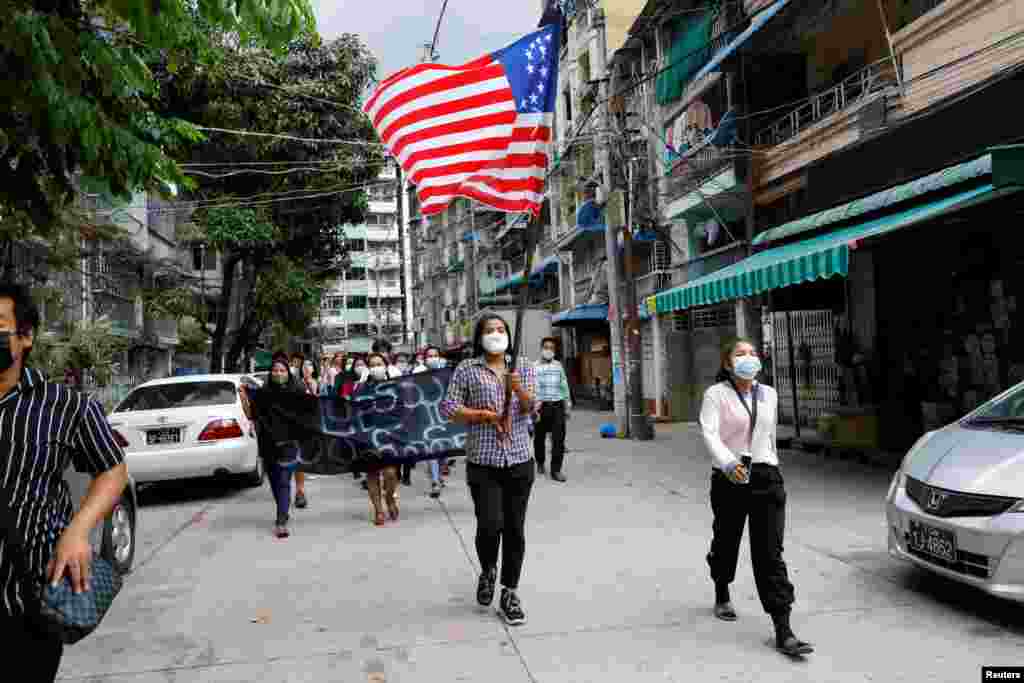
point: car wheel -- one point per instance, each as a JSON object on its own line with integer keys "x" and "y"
{"x": 119, "y": 536}
{"x": 255, "y": 478}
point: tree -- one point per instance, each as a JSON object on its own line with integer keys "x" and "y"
{"x": 77, "y": 96}
{"x": 312, "y": 92}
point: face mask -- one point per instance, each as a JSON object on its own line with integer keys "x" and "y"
{"x": 379, "y": 372}
{"x": 6, "y": 357}
{"x": 547, "y": 354}
{"x": 746, "y": 367}
{"x": 435, "y": 363}
{"x": 495, "y": 342}
{"x": 361, "y": 371}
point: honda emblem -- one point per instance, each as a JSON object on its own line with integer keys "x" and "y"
{"x": 936, "y": 499}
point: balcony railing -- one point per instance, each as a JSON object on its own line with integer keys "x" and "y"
{"x": 708, "y": 263}
{"x": 872, "y": 79}
{"x": 652, "y": 283}
{"x": 690, "y": 170}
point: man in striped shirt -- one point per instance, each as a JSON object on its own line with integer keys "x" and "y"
{"x": 44, "y": 427}
{"x": 553, "y": 406}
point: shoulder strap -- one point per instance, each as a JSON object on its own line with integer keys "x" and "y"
{"x": 751, "y": 409}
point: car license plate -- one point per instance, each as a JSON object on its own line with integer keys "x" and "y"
{"x": 930, "y": 540}
{"x": 160, "y": 436}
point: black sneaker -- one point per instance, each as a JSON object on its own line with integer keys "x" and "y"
{"x": 300, "y": 501}
{"x": 540, "y": 467}
{"x": 485, "y": 587}
{"x": 511, "y": 609}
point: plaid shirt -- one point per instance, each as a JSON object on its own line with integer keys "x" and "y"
{"x": 475, "y": 386}
{"x": 552, "y": 384}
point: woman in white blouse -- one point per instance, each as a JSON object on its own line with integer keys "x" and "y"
{"x": 738, "y": 420}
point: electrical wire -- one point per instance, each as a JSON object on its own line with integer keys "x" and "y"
{"x": 293, "y": 138}
{"x": 256, "y": 171}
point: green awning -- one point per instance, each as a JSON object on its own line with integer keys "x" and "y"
{"x": 817, "y": 258}
{"x": 947, "y": 177}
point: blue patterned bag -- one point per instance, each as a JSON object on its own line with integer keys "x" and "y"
{"x": 58, "y": 610}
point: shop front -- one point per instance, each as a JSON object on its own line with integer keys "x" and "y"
{"x": 895, "y": 309}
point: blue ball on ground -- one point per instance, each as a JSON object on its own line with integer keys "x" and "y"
{"x": 609, "y": 431}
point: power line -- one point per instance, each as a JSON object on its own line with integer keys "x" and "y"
{"x": 282, "y": 136}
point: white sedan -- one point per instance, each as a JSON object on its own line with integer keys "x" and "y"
{"x": 186, "y": 427}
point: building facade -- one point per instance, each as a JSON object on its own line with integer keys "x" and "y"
{"x": 370, "y": 300}
{"x": 804, "y": 157}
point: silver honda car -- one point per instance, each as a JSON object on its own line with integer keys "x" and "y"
{"x": 956, "y": 505}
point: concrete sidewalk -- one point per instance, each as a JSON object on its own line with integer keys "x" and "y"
{"x": 615, "y": 587}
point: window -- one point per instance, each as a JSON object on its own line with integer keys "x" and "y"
{"x": 357, "y": 302}
{"x": 358, "y": 330}
{"x": 355, "y": 245}
{"x": 184, "y": 395}
{"x": 355, "y": 274}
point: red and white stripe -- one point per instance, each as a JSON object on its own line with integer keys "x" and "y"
{"x": 456, "y": 133}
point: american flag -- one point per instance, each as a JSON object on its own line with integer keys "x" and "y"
{"x": 480, "y": 130}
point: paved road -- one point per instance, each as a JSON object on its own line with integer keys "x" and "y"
{"x": 615, "y": 586}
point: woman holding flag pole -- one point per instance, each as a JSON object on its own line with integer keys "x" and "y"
{"x": 428, "y": 117}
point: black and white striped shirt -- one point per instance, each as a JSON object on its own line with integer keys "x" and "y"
{"x": 43, "y": 427}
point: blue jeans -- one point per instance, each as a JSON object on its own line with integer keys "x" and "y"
{"x": 435, "y": 471}
{"x": 281, "y": 486}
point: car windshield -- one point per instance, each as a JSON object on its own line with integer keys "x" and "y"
{"x": 1006, "y": 409}
{"x": 180, "y": 395}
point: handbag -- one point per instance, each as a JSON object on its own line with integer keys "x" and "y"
{"x": 58, "y": 610}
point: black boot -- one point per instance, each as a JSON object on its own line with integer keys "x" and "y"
{"x": 786, "y": 641}
{"x": 723, "y": 605}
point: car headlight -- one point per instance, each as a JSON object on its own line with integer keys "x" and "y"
{"x": 900, "y": 478}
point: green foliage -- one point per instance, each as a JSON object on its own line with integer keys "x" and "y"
{"x": 192, "y": 339}
{"x": 227, "y": 227}
{"x": 90, "y": 347}
{"x": 287, "y": 294}
{"x": 170, "y": 303}
{"x": 79, "y": 97}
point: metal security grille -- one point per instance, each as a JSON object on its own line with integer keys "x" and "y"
{"x": 680, "y": 321}
{"x": 720, "y": 316}
{"x": 817, "y": 375}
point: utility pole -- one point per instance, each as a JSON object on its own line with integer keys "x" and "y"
{"x": 400, "y": 218}
{"x": 639, "y": 426}
{"x": 619, "y": 385}
{"x": 471, "y": 273}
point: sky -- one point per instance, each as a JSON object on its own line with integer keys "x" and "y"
{"x": 395, "y": 29}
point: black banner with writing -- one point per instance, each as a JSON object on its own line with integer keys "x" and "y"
{"x": 394, "y": 422}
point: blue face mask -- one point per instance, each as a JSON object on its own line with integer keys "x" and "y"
{"x": 746, "y": 367}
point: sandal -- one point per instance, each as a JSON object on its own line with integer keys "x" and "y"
{"x": 380, "y": 519}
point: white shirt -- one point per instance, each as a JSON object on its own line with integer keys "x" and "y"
{"x": 725, "y": 425}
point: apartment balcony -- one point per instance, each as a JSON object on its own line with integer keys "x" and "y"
{"x": 344, "y": 316}
{"x": 652, "y": 283}
{"x": 689, "y": 171}
{"x": 380, "y": 233}
{"x": 708, "y": 263}
{"x": 382, "y": 206}
{"x": 827, "y": 121}
{"x": 867, "y": 83}
{"x": 387, "y": 288}
{"x": 382, "y": 260}
{"x": 349, "y": 288}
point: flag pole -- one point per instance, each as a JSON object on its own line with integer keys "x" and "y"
{"x": 530, "y": 240}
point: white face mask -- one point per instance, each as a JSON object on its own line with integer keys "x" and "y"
{"x": 435, "y": 363}
{"x": 495, "y": 342}
{"x": 361, "y": 372}
{"x": 378, "y": 372}
{"x": 547, "y": 354}
{"x": 746, "y": 367}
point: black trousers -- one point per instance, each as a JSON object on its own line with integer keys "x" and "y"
{"x": 763, "y": 501}
{"x": 500, "y": 496}
{"x": 40, "y": 654}
{"x": 552, "y": 419}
